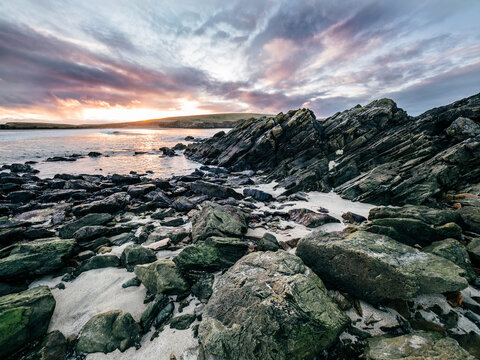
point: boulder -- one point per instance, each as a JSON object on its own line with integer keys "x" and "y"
{"x": 269, "y": 306}
{"x": 218, "y": 220}
{"x": 463, "y": 128}
{"x": 454, "y": 251}
{"x": 53, "y": 347}
{"x": 214, "y": 190}
{"x": 99, "y": 262}
{"x": 182, "y": 322}
{"x": 162, "y": 277}
{"x": 377, "y": 268}
{"x": 87, "y": 233}
{"x": 471, "y": 217}
{"x": 21, "y": 196}
{"x": 152, "y": 310}
{"x": 426, "y": 214}
{"x": 415, "y": 346}
{"x": 107, "y": 332}
{"x": 38, "y": 257}
{"x": 110, "y": 204}
{"x": 24, "y": 317}
{"x": 136, "y": 255}
{"x": 140, "y": 189}
{"x": 213, "y": 254}
{"x": 310, "y": 218}
{"x": 67, "y": 230}
{"x": 473, "y": 249}
{"x": 183, "y": 204}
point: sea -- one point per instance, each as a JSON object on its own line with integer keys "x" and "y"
{"x": 123, "y": 150}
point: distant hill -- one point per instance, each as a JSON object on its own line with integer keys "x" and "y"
{"x": 226, "y": 120}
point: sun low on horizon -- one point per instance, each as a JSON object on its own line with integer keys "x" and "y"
{"x": 107, "y": 61}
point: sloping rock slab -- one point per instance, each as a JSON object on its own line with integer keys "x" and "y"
{"x": 377, "y": 268}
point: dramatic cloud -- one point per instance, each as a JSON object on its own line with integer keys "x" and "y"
{"x": 124, "y": 60}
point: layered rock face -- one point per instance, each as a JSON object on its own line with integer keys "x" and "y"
{"x": 378, "y": 153}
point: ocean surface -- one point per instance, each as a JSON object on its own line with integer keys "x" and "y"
{"x": 118, "y": 147}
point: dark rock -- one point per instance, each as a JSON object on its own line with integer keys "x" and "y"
{"x": 68, "y": 230}
{"x": 90, "y": 232}
{"x": 214, "y": 190}
{"x": 60, "y": 158}
{"x": 53, "y": 347}
{"x": 94, "y": 154}
{"x": 202, "y": 287}
{"x": 24, "y": 317}
{"x": 258, "y": 195}
{"x": 140, "y": 189}
{"x": 310, "y": 218}
{"x": 110, "y": 204}
{"x": 167, "y": 151}
{"x": 136, "y": 255}
{"x": 217, "y": 220}
{"x": 108, "y": 331}
{"x": 21, "y": 196}
{"x": 183, "y": 204}
{"x": 182, "y": 322}
{"x": 268, "y": 242}
{"x": 164, "y": 315}
{"x": 352, "y": 218}
{"x": 132, "y": 282}
{"x": 21, "y": 168}
{"x": 99, "y": 262}
{"x": 384, "y": 269}
{"x": 162, "y": 277}
{"x": 462, "y": 129}
{"x": 473, "y": 249}
{"x": 152, "y": 311}
{"x": 272, "y": 294}
{"x": 162, "y": 214}
{"x": 179, "y": 146}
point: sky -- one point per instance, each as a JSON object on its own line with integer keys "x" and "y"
{"x": 112, "y": 60}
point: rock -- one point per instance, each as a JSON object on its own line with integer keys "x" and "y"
{"x": 167, "y": 151}
{"x": 269, "y": 306}
{"x": 352, "y": 218}
{"x": 21, "y": 196}
{"x": 426, "y": 214}
{"x": 213, "y": 254}
{"x": 377, "y": 268}
{"x": 202, "y": 287}
{"x": 415, "y": 346}
{"x": 140, "y": 189}
{"x": 107, "y": 332}
{"x": 179, "y": 146}
{"x": 162, "y": 277}
{"x": 68, "y": 230}
{"x": 189, "y": 138}
{"x": 84, "y": 255}
{"x": 258, "y": 195}
{"x": 21, "y": 168}
{"x": 152, "y": 310}
{"x": 164, "y": 315}
{"x": 268, "y": 242}
{"x": 38, "y": 216}
{"x": 217, "y": 220}
{"x": 182, "y": 322}
{"x": 132, "y": 282}
{"x": 38, "y": 257}
{"x": 174, "y": 234}
{"x": 94, "y": 154}
{"x": 99, "y": 262}
{"x": 183, "y": 204}
{"x": 24, "y": 317}
{"x": 471, "y": 217}
{"x": 214, "y": 190}
{"x": 412, "y": 231}
{"x": 454, "y": 251}
{"x": 136, "y": 255}
{"x": 310, "y": 218}
{"x": 159, "y": 245}
{"x": 110, "y": 204}
{"x": 121, "y": 239}
{"x": 174, "y": 222}
{"x": 87, "y": 233}
{"x": 462, "y": 129}
{"x": 162, "y": 214}
{"x": 53, "y": 347}
{"x": 473, "y": 249}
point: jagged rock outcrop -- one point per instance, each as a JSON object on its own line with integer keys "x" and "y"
{"x": 377, "y": 153}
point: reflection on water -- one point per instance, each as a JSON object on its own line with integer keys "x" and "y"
{"x": 117, "y": 145}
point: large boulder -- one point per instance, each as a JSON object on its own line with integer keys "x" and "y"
{"x": 107, "y": 332}
{"x": 37, "y": 257}
{"x": 136, "y": 255}
{"x": 417, "y": 346}
{"x": 213, "y": 254}
{"x": 270, "y": 306}
{"x": 162, "y": 277}
{"x": 214, "y": 190}
{"x": 471, "y": 217}
{"x": 377, "y": 268}
{"x": 24, "y": 317}
{"x": 67, "y": 230}
{"x": 218, "y": 220}
{"x": 454, "y": 251}
{"x": 110, "y": 204}
{"x": 473, "y": 249}
{"x": 426, "y": 214}
{"x": 463, "y": 128}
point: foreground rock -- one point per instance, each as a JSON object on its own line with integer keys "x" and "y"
{"x": 270, "y": 306}
{"x": 24, "y": 317}
{"x": 377, "y": 268}
{"x": 35, "y": 258}
{"x": 218, "y": 220}
{"x": 415, "y": 347}
{"x": 107, "y": 332}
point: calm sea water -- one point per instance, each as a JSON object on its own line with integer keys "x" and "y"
{"x": 19, "y": 146}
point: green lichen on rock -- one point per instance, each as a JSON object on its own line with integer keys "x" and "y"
{"x": 24, "y": 317}
{"x": 269, "y": 305}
